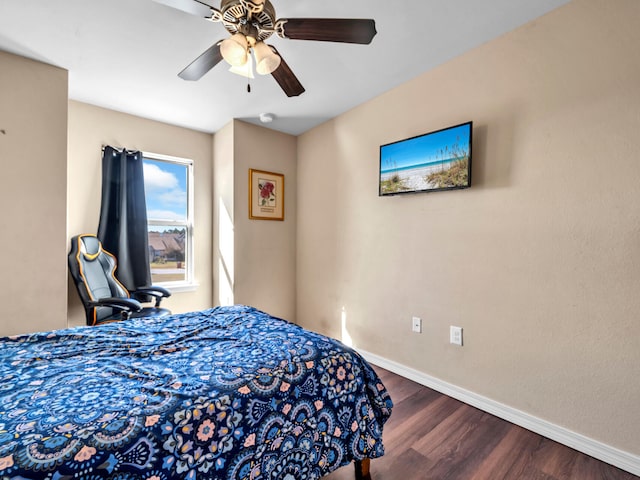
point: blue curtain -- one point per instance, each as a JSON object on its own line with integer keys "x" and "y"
{"x": 123, "y": 216}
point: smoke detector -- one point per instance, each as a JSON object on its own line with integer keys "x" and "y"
{"x": 266, "y": 117}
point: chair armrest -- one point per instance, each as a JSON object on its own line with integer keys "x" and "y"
{"x": 126, "y": 305}
{"x": 154, "y": 291}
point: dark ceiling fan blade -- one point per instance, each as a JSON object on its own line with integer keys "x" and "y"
{"x": 346, "y": 30}
{"x": 286, "y": 78}
{"x": 201, "y": 65}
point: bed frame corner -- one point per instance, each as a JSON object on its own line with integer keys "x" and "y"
{"x": 362, "y": 469}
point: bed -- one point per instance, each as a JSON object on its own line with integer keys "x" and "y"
{"x": 227, "y": 393}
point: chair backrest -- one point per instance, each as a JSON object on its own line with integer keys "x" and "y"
{"x": 93, "y": 271}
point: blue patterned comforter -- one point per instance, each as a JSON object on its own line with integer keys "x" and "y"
{"x": 227, "y": 393}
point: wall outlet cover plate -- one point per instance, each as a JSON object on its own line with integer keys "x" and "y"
{"x": 416, "y": 324}
{"x": 455, "y": 335}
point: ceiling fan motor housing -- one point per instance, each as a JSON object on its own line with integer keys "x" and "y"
{"x": 239, "y": 16}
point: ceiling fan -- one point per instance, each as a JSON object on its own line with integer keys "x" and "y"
{"x": 250, "y": 23}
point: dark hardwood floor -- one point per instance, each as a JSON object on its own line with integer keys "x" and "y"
{"x": 435, "y": 437}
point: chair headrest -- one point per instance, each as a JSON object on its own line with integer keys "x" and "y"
{"x": 90, "y": 246}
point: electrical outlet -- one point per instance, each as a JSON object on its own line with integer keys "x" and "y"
{"x": 455, "y": 335}
{"x": 416, "y": 324}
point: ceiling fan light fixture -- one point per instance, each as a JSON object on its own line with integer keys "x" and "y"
{"x": 267, "y": 61}
{"x": 234, "y": 50}
{"x": 245, "y": 70}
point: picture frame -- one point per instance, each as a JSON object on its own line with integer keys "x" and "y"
{"x": 266, "y": 195}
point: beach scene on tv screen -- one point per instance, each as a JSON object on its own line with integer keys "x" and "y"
{"x": 433, "y": 161}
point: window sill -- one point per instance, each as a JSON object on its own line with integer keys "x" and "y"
{"x": 180, "y": 287}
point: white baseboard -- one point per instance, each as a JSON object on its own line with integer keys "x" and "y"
{"x": 619, "y": 458}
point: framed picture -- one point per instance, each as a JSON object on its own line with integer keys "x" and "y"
{"x": 266, "y": 195}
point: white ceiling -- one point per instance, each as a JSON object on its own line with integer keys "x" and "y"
{"x": 125, "y": 54}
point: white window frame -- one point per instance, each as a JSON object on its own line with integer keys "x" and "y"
{"x": 189, "y": 283}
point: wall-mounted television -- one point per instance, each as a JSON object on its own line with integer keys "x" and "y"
{"x": 431, "y": 162}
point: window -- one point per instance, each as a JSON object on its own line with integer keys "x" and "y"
{"x": 168, "y": 185}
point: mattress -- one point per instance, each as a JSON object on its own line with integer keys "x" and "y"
{"x": 225, "y": 393}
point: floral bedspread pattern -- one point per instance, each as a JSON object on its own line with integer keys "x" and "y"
{"x": 226, "y": 393}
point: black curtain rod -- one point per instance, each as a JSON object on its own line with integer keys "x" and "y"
{"x": 119, "y": 149}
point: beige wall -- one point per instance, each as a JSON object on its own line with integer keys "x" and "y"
{"x": 255, "y": 260}
{"x": 265, "y": 273}
{"x": 539, "y": 261}
{"x": 33, "y": 198}
{"x": 92, "y": 127}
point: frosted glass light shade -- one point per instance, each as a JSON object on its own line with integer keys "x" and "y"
{"x": 245, "y": 70}
{"x": 266, "y": 59}
{"x": 234, "y": 50}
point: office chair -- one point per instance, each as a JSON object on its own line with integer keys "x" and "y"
{"x": 104, "y": 298}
